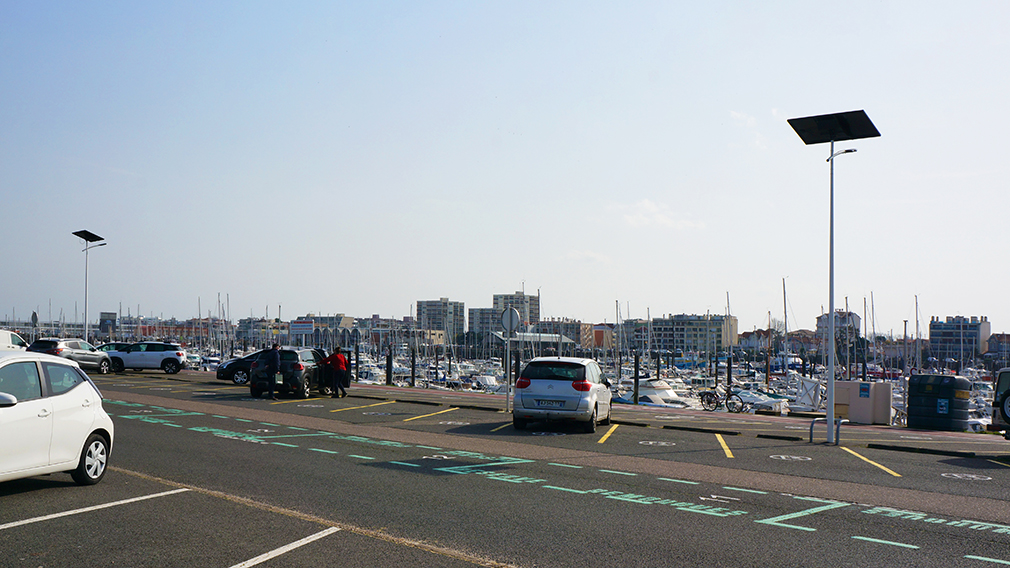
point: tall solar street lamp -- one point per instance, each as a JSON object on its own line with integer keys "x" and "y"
{"x": 91, "y": 241}
{"x": 838, "y": 127}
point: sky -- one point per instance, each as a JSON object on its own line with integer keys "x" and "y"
{"x": 356, "y": 157}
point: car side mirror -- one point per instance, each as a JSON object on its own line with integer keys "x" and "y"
{"x": 7, "y": 400}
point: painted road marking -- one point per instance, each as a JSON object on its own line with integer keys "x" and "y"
{"x": 285, "y": 549}
{"x": 746, "y": 490}
{"x": 777, "y": 521}
{"x": 432, "y": 414}
{"x": 366, "y": 406}
{"x": 617, "y": 472}
{"x": 998, "y": 463}
{"x": 878, "y": 541}
{"x": 404, "y": 463}
{"x": 89, "y": 509}
{"x": 790, "y": 458}
{"x": 656, "y": 443}
{"x": 984, "y": 559}
{"x": 607, "y": 435}
{"x": 566, "y": 465}
{"x": 871, "y": 462}
{"x": 722, "y": 443}
{"x": 360, "y": 457}
{"x": 680, "y": 481}
{"x": 966, "y": 476}
{"x": 296, "y": 400}
{"x": 505, "y": 425}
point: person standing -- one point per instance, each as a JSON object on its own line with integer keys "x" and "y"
{"x": 272, "y": 367}
{"x": 338, "y": 363}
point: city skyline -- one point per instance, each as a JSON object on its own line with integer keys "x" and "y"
{"x": 356, "y": 158}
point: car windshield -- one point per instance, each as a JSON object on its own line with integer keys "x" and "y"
{"x": 557, "y": 371}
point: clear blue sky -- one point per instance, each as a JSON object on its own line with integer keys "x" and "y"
{"x": 355, "y": 157}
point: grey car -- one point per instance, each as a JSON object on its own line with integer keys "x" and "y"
{"x": 78, "y": 350}
{"x": 562, "y": 388}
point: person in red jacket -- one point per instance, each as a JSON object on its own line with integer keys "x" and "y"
{"x": 339, "y": 364}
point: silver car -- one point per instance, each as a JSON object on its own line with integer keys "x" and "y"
{"x": 562, "y": 388}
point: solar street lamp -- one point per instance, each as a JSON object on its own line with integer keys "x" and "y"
{"x": 838, "y": 127}
{"x": 91, "y": 241}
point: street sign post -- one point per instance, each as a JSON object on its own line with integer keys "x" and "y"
{"x": 510, "y": 322}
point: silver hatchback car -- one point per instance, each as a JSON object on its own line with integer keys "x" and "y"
{"x": 562, "y": 388}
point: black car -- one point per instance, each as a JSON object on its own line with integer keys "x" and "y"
{"x": 78, "y": 350}
{"x": 300, "y": 372}
{"x": 237, "y": 370}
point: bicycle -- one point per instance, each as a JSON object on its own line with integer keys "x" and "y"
{"x": 711, "y": 400}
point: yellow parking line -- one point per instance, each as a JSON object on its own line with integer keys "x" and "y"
{"x": 295, "y": 400}
{"x": 998, "y": 463}
{"x": 366, "y": 406}
{"x": 722, "y": 443}
{"x": 607, "y": 435}
{"x": 871, "y": 462}
{"x": 505, "y": 425}
{"x": 432, "y": 414}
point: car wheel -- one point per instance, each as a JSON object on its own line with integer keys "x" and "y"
{"x": 104, "y": 366}
{"x": 518, "y": 423}
{"x": 240, "y": 377}
{"x": 590, "y": 427}
{"x": 1006, "y": 407}
{"x": 306, "y": 390}
{"x": 91, "y": 468}
{"x": 170, "y": 366}
{"x": 117, "y": 366}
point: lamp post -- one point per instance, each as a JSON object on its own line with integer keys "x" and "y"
{"x": 852, "y": 125}
{"x": 92, "y": 241}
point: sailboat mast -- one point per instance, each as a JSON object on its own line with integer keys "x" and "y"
{"x": 785, "y": 332}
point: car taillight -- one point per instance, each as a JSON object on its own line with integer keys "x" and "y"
{"x": 299, "y": 367}
{"x": 522, "y": 383}
{"x": 54, "y": 351}
{"x": 582, "y": 386}
{"x": 180, "y": 354}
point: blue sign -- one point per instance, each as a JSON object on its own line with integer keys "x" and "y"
{"x": 864, "y": 390}
{"x": 942, "y": 405}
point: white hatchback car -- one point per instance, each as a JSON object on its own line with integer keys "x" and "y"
{"x": 562, "y": 388}
{"x": 52, "y": 419}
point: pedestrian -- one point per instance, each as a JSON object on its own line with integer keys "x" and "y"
{"x": 273, "y": 366}
{"x": 338, "y": 363}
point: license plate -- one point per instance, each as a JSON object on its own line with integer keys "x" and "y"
{"x": 550, "y": 404}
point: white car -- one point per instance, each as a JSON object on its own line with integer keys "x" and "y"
{"x": 169, "y": 357}
{"x": 52, "y": 418}
{"x": 562, "y": 388}
{"x": 11, "y": 340}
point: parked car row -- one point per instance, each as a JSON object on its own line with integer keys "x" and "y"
{"x": 116, "y": 357}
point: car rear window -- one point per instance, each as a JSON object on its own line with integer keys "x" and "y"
{"x": 556, "y": 371}
{"x": 42, "y": 344}
{"x": 289, "y": 355}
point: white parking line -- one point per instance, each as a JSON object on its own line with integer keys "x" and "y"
{"x": 286, "y": 548}
{"x": 88, "y": 509}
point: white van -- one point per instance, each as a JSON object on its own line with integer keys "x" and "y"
{"x": 11, "y": 341}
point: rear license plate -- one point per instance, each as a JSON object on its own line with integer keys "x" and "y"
{"x": 550, "y": 404}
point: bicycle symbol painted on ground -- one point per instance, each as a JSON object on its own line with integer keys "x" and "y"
{"x": 966, "y": 476}
{"x": 790, "y": 458}
{"x": 657, "y": 443}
